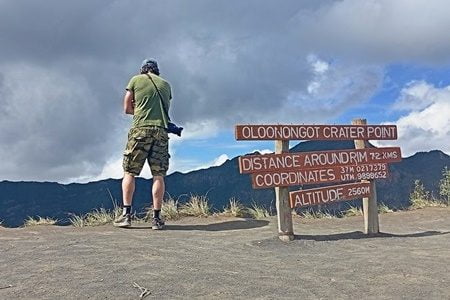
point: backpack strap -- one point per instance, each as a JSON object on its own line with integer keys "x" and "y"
{"x": 160, "y": 97}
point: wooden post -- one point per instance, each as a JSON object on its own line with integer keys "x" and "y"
{"x": 284, "y": 213}
{"x": 370, "y": 207}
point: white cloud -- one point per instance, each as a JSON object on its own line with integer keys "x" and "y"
{"x": 201, "y": 129}
{"x": 380, "y": 31}
{"x": 417, "y": 95}
{"x": 319, "y": 66}
{"x": 426, "y": 126}
{"x": 111, "y": 169}
{"x": 220, "y": 160}
{"x": 263, "y": 151}
{"x": 216, "y": 162}
{"x": 334, "y": 88}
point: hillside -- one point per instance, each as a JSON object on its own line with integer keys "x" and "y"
{"x": 227, "y": 258}
{"x": 18, "y": 200}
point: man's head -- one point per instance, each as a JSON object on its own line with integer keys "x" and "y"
{"x": 149, "y": 65}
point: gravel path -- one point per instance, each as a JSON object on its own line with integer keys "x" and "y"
{"x": 227, "y": 258}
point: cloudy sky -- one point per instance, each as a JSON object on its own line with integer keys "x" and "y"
{"x": 64, "y": 66}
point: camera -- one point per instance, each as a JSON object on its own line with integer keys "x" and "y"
{"x": 172, "y": 128}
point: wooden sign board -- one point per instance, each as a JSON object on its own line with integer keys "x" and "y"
{"x": 329, "y": 194}
{"x": 319, "y": 175}
{"x": 305, "y": 160}
{"x": 316, "y": 132}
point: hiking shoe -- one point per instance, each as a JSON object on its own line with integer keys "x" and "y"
{"x": 157, "y": 224}
{"x": 123, "y": 221}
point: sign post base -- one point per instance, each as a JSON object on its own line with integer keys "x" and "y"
{"x": 286, "y": 237}
{"x": 284, "y": 212}
{"x": 370, "y": 206}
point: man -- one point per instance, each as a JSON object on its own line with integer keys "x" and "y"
{"x": 147, "y": 98}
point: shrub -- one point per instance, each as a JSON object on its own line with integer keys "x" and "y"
{"x": 311, "y": 214}
{"x": 383, "y": 209}
{"x": 258, "y": 212}
{"x": 444, "y": 186}
{"x": 99, "y": 217}
{"x": 421, "y": 198}
{"x": 234, "y": 208}
{"x": 39, "y": 221}
{"x": 197, "y": 206}
{"x": 353, "y": 211}
{"x": 77, "y": 221}
{"x": 169, "y": 209}
{"x": 95, "y": 218}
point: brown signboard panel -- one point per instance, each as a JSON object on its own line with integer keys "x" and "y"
{"x": 316, "y": 132}
{"x": 319, "y": 175}
{"x": 305, "y": 160}
{"x": 329, "y": 194}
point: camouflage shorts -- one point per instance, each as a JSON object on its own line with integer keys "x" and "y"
{"x": 147, "y": 143}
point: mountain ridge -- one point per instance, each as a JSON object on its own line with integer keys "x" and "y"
{"x": 21, "y": 199}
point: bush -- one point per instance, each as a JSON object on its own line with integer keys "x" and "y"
{"x": 383, "y": 209}
{"x": 258, "y": 212}
{"x": 99, "y": 217}
{"x": 311, "y": 214}
{"x": 234, "y": 208}
{"x": 197, "y": 206}
{"x": 77, "y": 221}
{"x": 421, "y": 198}
{"x": 353, "y": 211}
{"x": 444, "y": 186}
{"x": 169, "y": 209}
{"x": 95, "y": 218}
{"x": 39, "y": 221}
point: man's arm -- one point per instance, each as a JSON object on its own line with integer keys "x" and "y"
{"x": 128, "y": 106}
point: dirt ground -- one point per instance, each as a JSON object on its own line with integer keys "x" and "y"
{"x": 228, "y": 258}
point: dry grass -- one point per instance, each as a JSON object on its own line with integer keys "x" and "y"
{"x": 421, "y": 198}
{"x": 77, "y": 221}
{"x": 99, "y": 217}
{"x": 169, "y": 209}
{"x": 320, "y": 214}
{"x": 39, "y": 221}
{"x": 234, "y": 208}
{"x": 147, "y": 215}
{"x": 197, "y": 206}
{"x": 444, "y": 186}
{"x": 384, "y": 209}
{"x": 258, "y": 212}
{"x": 95, "y": 218}
{"x": 353, "y": 211}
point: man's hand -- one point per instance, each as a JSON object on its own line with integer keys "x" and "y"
{"x": 128, "y": 103}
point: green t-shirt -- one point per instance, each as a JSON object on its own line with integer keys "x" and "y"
{"x": 147, "y": 105}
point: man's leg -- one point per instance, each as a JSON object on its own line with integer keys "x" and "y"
{"x": 159, "y": 164}
{"x": 134, "y": 157}
{"x": 158, "y": 190}
{"x": 128, "y": 186}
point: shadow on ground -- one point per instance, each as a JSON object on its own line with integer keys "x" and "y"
{"x": 224, "y": 226}
{"x": 356, "y": 235}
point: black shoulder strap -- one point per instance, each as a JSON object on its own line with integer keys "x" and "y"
{"x": 160, "y": 97}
